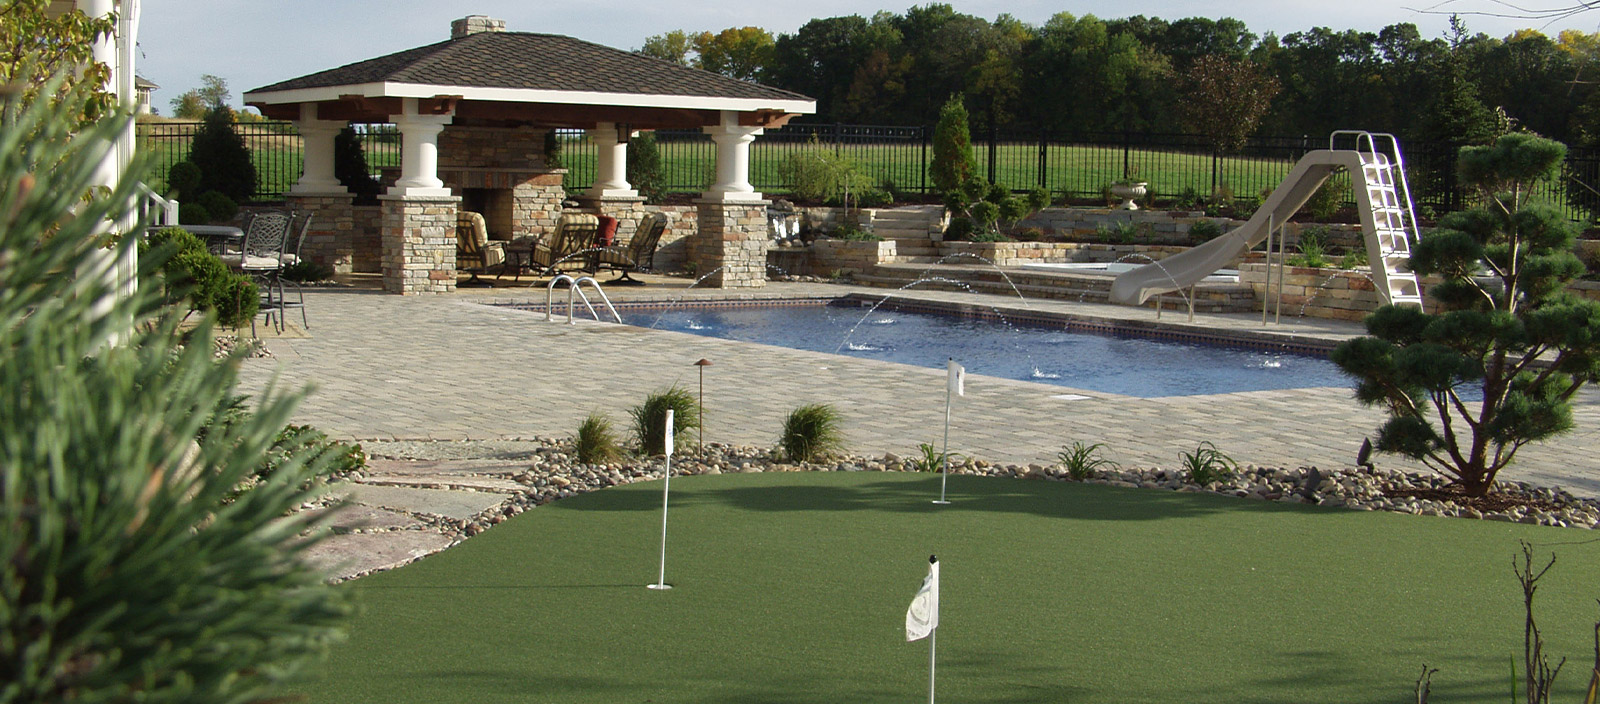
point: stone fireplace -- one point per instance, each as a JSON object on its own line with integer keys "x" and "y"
{"x": 500, "y": 173}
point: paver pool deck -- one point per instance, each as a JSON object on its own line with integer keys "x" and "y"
{"x": 454, "y": 367}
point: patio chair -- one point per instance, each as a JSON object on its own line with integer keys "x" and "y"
{"x": 475, "y": 254}
{"x": 639, "y": 254}
{"x": 261, "y": 258}
{"x": 559, "y": 251}
{"x": 290, "y": 258}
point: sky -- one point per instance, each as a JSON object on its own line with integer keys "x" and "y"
{"x": 251, "y": 43}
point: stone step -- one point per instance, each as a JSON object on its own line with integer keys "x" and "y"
{"x": 896, "y": 233}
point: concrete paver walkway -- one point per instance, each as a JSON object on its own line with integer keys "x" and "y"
{"x": 452, "y": 367}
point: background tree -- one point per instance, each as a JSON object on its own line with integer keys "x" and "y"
{"x": 35, "y": 47}
{"x": 1225, "y": 99}
{"x": 193, "y": 104}
{"x": 1428, "y": 371}
{"x": 145, "y": 560}
{"x": 745, "y": 53}
{"x": 673, "y": 46}
{"x": 189, "y": 106}
{"x": 223, "y": 158}
{"x": 952, "y": 165}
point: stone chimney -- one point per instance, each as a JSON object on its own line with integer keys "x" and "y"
{"x": 473, "y": 24}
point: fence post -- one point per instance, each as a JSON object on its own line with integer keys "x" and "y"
{"x": 1126, "y": 150}
{"x": 994, "y": 135}
{"x": 1044, "y": 149}
{"x": 838, "y": 144}
{"x": 1216, "y": 164}
{"x": 925, "y": 134}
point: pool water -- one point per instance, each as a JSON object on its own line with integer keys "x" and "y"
{"x": 1029, "y": 352}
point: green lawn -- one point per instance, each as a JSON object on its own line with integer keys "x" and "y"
{"x": 793, "y": 588}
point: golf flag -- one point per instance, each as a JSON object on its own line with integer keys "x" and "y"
{"x": 957, "y": 378}
{"x": 666, "y": 434}
{"x": 923, "y": 616}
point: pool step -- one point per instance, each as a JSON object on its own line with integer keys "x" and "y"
{"x": 1082, "y": 287}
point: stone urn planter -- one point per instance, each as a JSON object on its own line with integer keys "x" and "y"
{"x": 1129, "y": 192}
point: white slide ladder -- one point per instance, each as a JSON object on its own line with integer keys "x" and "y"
{"x": 1382, "y": 200}
{"x": 1387, "y": 218}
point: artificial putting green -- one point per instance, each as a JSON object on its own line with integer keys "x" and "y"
{"x": 793, "y": 587}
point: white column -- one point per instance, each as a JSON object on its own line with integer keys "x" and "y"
{"x": 733, "y": 160}
{"x": 316, "y": 176}
{"x": 419, "y": 153}
{"x": 611, "y": 163}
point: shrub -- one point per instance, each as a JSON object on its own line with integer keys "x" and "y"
{"x": 953, "y": 164}
{"x": 293, "y": 441}
{"x": 1312, "y": 253}
{"x": 1326, "y": 201}
{"x": 960, "y": 228}
{"x": 350, "y": 167}
{"x": 137, "y": 565}
{"x": 1189, "y": 199}
{"x": 192, "y": 274}
{"x": 1028, "y": 234}
{"x": 929, "y": 459}
{"x": 1356, "y": 257}
{"x": 644, "y": 167}
{"x": 1207, "y": 464}
{"x": 192, "y": 213}
{"x": 650, "y": 418}
{"x": 820, "y": 176}
{"x": 853, "y": 233}
{"x": 306, "y": 271}
{"x": 988, "y": 236}
{"x": 596, "y": 441}
{"x": 220, "y": 207}
{"x": 873, "y": 198}
{"x": 1483, "y": 342}
{"x": 811, "y": 433}
{"x": 552, "y": 150}
{"x": 1203, "y": 231}
{"x": 222, "y": 156}
{"x": 1081, "y": 461}
{"x": 183, "y": 180}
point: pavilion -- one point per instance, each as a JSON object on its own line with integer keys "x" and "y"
{"x": 473, "y": 113}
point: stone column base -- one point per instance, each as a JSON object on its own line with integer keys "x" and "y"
{"x": 330, "y": 240}
{"x": 419, "y": 244}
{"x": 731, "y": 244}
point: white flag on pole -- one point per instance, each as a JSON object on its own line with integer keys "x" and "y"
{"x": 957, "y": 378}
{"x": 666, "y": 434}
{"x": 923, "y": 616}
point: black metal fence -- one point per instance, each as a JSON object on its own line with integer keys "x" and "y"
{"x": 1179, "y": 168}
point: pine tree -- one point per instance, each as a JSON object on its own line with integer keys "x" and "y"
{"x": 1487, "y": 340}
{"x": 148, "y": 555}
{"x": 953, "y": 164}
{"x": 350, "y": 167}
{"x": 644, "y": 167}
{"x": 223, "y": 158}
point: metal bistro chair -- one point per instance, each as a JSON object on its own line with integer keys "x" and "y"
{"x": 639, "y": 254}
{"x": 289, "y": 258}
{"x": 261, "y": 258}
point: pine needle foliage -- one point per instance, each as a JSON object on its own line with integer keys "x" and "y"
{"x": 141, "y": 561}
{"x": 1507, "y": 332}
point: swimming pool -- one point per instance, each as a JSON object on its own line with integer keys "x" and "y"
{"x": 1013, "y": 350}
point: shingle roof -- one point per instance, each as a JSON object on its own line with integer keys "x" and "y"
{"x": 524, "y": 60}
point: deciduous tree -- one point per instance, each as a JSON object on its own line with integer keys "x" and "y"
{"x": 1224, "y": 99}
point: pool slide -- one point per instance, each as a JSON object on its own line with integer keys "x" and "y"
{"x": 1386, "y": 241}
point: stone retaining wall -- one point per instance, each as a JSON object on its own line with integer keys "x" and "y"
{"x": 1020, "y": 253}
{"x": 847, "y": 257}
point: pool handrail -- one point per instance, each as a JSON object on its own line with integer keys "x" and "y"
{"x": 574, "y": 287}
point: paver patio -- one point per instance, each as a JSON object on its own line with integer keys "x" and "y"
{"x": 454, "y": 368}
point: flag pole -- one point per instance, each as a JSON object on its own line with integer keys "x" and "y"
{"x": 666, "y": 485}
{"x": 933, "y": 644}
{"x": 953, "y": 380}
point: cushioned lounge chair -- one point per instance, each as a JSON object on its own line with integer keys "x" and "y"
{"x": 639, "y": 254}
{"x": 563, "y": 249}
{"x": 475, "y": 254}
